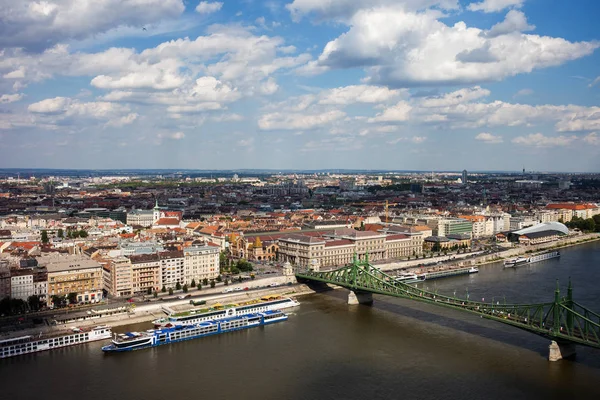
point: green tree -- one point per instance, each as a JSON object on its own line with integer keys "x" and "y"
{"x": 239, "y": 279}
{"x": 83, "y": 234}
{"x": 199, "y": 286}
{"x": 222, "y": 259}
{"x": 45, "y": 237}
{"x": 170, "y": 291}
{"x": 58, "y": 301}
{"x": 193, "y": 284}
{"x": 185, "y": 288}
{"x": 34, "y": 302}
{"x": 164, "y": 289}
{"x": 72, "y": 297}
{"x": 60, "y": 233}
{"x": 149, "y": 291}
{"x": 155, "y": 294}
{"x": 212, "y": 283}
{"x": 178, "y": 286}
{"x": 205, "y": 282}
{"x": 219, "y": 279}
{"x": 226, "y": 281}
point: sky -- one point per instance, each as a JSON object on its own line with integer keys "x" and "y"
{"x": 300, "y": 84}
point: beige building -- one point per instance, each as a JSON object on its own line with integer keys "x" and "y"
{"x": 121, "y": 282}
{"x": 145, "y": 273}
{"x": 339, "y": 247}
{"x": 73, "y": 274}
{"x": 200, "y": 262}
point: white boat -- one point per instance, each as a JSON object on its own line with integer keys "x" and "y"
{"x": 32, "y": 344}
{"x": 516, "y": 261}
{"x": 218, "y": 312}
{"x": 473, "y": 270}
{"x": 406, "y": 276}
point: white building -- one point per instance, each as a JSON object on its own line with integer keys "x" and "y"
{"x": 21, "y": 284}
{"x": 121, "y": 277}
{"x": 200, "y": 262}
{"x": 172, "y": 268}
{"x": 143, "y": 218}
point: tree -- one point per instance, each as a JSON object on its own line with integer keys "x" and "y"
{"x": 252, "y": 276}
{"x": 178, "y": 286}
{"x": 193, "y": 284}
{"x": 34, "y": 302}
{"x": 60, "y": 233}
{"x": 212, "y": 284}
{"x": 83, "y": 234}
{"x": 185, "y": 288}
{"x": 219, "y": 279}
{"x": 171, "y": 290}
{"x": 164, "y": 289}
{"x": 149, "y": 291}
{"x": 155, "y": 294}
{"x": 205, "y": 282}
{"x": 199, "y": 286}
{"x": 45, "y": 237}
{"x": 72, "y": 297}
{"x": 239, "y": 279}
{"x": 58, "y": 301}
{"x": 226, "y": 281}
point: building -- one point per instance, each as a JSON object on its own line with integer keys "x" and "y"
{"x": 121, "y": 277}
{"x": 21, "y": 283}
{"x": 73, "y": 274}
{"x": 482, "y": 226}
{"x": 453, "y": 226}
{"x": 540, "y": 233}
{"x": 4, "y": 279}
{"x": 143, "y": 218}
{"x": 451, "y": 242}
{"x": 464, "y": 177}
{"x": 339, "y": 247}
{"x": 146, "y": 275}
{"x": 172, "y": 268}
{"x": 200, "y": 262}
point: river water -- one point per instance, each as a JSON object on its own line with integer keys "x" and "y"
{"x": 395, "y": 349}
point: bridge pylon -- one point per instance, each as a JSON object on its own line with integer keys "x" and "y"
{"x": 360, "y": 297}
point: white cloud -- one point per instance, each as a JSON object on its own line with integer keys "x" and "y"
{"x": 358, "y": 94}
{"x": 171, "y": 135}
{"x": 460, "y": 96}
{"x": 592, "y": 139}
{"x": 398, "y": 113}
{"x": 524, "y": 92}
{"x": 37, "y": 25}
{"x": 342, "y": 9}
{"x": 50, "y": 106}
{"x": 539, "y": 140}
{"x": 515, "y": 21}
{"x": 418, "y": 139}
{"x": 10, "y": 98}
{"x": 279, "y": 120}
{"x": 207, "y": 8}
{"x": 402, "y": 48}
{"x": 595, "y": 82}
{"x": 489, "y": 138}
{"x": 490, "y": 6}
{"x": 195, "y": 108}
{"x": 124, "y": 120}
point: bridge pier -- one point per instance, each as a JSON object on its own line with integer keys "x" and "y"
{"x": 358, "y": 297}
{"x": 558, "y": 351}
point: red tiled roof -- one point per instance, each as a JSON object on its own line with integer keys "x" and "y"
{"x": 167, "y": 221}
{"x": 341, "y": 242}
{"x": 396, "y": 237}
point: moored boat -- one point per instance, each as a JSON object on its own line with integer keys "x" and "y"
{"x": 157, "y": 337}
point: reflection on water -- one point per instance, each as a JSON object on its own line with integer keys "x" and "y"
{"x": 329, "y": 350}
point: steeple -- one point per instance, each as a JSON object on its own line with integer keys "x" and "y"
{"x": 156, "y": 205}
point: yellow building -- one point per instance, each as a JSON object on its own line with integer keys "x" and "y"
{"x": 73, "y": 274}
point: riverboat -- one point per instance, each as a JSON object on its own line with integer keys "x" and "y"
{"x": 157, "y": 337}
{"x": 515, "y": 262}
{"x": 218, "y": 311}
{"x": 535, "y": 258}
{"x": 34, "y": 343}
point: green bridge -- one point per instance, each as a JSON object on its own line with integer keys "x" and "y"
{"x": 563, "y": 321}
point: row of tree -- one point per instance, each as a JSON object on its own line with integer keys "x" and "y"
{"x": 585, "y": 225}
{"x": 71, "y": 234}
{"x": 10, "y": 306}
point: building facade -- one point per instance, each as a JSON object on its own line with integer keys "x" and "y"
{"x": 74, "y": 274}
{"x": 200, "y": 262}
{"x": 172, "y": 268}
{"x": 121, "y": 277}
{"x": 145, "y": 273}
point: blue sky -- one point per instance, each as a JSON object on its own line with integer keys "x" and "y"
{"x": 307, "y": 84}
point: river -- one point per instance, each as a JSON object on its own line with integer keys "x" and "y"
{"x": 395, "y": 349}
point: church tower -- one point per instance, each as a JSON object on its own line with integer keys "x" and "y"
{"x": 156, "y": 213}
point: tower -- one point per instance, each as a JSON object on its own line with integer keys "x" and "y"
{"x": 464, "y": 177}
{"x": 156, "y": 212}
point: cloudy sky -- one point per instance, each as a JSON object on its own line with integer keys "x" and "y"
{"x": 307, "y": 84}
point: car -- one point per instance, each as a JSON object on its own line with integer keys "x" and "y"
{"x": 237, "y": 289}
{"x": 274, "y": 284}
{"x": 228, "y": 290}
{"x": 181, "y": 297}
{"x": 245, "y": 288}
